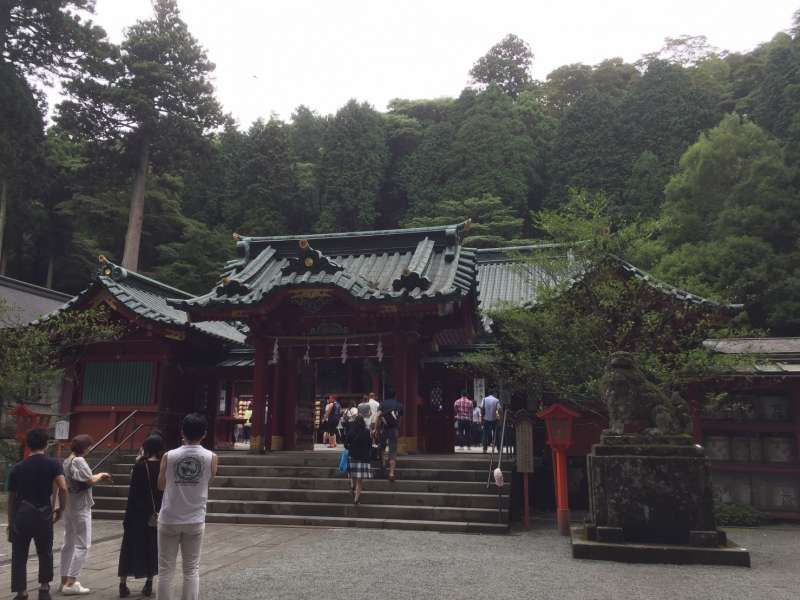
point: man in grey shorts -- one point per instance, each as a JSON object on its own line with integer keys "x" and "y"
{"x": 389, "y": 414}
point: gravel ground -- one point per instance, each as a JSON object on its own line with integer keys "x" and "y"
{"x": 353, "y": 564}
{"x": 288, "y": 563}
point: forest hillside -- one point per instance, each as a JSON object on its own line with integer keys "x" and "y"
{"x": 698, "y": 146}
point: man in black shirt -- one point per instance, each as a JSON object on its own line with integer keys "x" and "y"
{"x": 32, "y": 486}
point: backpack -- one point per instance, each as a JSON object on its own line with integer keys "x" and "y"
{"x": 336, "y": 413}
{"x": 390, "y": 419}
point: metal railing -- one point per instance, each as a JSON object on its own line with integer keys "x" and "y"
{"x": 117, "y": 447}
{"x": 130, "y": 419}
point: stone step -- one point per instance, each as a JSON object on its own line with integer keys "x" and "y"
{"x": 427, "y": 474}
{"x": 331, "y": 460}
{"x": 341, "y": 496}
{"x": 341, "y": 483}
{"x": 328, "y": 522}
{"x": 332, "y": 509}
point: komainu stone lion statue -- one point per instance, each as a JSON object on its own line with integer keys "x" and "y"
{"x": 635, "y": 405}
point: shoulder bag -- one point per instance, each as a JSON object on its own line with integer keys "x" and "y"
{"x": 152, "y": 520}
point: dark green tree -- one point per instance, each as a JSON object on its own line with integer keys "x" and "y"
{"x": 586, "y": 152}
{"x": 21, "y": 135}
{"x": 731, "y": 222}
{"x": 664, "y": 112}
{"x": 44, "y": 38}
{"x": 306, "y": 133}
{"x": 267, "y": 181}
{"x": 506, "y": 65}
{"x": 354, "y": 160}
{"x": 492, "y": 224}
{"x": 492, "y": 152}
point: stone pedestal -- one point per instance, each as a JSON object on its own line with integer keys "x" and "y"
{"x": 653, "y": 496}
{"x": 645, "y": 489}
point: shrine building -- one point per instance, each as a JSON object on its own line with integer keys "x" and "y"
{"x": 294, "y": 319}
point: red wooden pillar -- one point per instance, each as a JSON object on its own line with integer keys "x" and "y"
{"x": 562, "y": 499}
{"x": 273, "y": 414}
{"x": 400, "y": 380}
{"x": 412, "y": 380}
{"x": 694, "y": 398}
{"x": 290, "y": 400}
{"x": 258, "y": 432}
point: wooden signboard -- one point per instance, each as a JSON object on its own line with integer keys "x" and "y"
{"x": 523, "y": 427}
{"x": 478, "y": 389}
{"x": 62, "y": 431}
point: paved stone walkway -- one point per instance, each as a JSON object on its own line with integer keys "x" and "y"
{"x": 252, "y": 562}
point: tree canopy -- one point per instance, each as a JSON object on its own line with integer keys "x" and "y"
{"x": 693, "y": 147}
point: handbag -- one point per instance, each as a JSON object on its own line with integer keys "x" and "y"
{"x": 344, "y": 460}
{"x": 152, "y": 520}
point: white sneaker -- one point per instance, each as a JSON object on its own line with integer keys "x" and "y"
{"x": 76, "y": 589}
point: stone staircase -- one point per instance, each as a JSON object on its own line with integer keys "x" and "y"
{"x": 434, "y": 493}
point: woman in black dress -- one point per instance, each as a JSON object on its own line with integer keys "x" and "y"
{"x": 138, "y": 556}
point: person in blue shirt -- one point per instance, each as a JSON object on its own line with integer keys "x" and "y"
{"x": 489, "y": 408}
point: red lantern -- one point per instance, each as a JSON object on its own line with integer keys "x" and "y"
{"x": 558, "y": 420}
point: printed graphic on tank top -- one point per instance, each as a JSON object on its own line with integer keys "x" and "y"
{"x": 186, "y": 495}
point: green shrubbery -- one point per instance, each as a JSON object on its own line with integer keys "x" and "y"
{"x": 733, "y": 514}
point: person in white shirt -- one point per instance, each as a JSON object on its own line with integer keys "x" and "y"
{"x": 184, "y": 477}
{"x": 364, "y": 409}
{"x": 375, "y": 406}
{"x": 78, "y": 516}
{"x": 489, "y": 406}
{"x": 476, "y": 424}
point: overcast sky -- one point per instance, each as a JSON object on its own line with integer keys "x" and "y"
{"x": 272, "y": 55}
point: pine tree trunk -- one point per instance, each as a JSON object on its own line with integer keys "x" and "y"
{"x": 3, "y": 212}
{"x": 133, "y": 236}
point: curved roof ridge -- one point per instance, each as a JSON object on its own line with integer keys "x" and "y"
{"x": 117, "y": 272}
{"x": 455, "y": 227}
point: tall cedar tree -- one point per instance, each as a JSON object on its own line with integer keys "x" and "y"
{"x": 153, "y": 97}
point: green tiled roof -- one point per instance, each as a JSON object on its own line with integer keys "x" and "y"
{"x": 514, "y": 276}
{"x": 148, "y": 298}
{"x": 403, "y": 265}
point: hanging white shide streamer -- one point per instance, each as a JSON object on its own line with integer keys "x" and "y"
{"x": 344, "y": 351}
{"x": 379, "y": 352}
{"x": 275, "y": 352}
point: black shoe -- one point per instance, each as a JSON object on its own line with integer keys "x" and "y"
{"x": 124, "y": 592}
{"x": 44, "y": 595}
{"x": 147, "y": 590}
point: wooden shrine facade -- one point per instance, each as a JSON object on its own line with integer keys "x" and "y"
{"x": 367, "y": 305}
{"x": 296, "y": 318}
{"x": 161, "y": 368}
